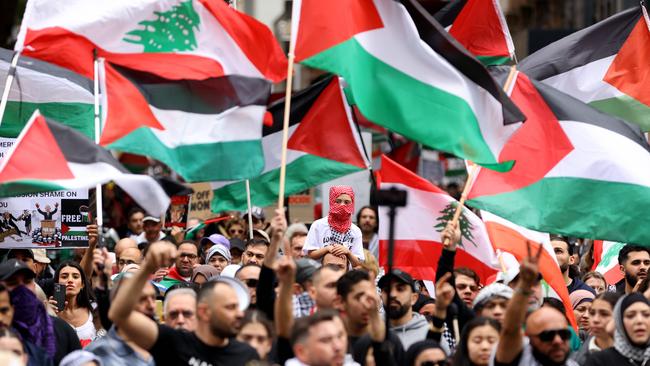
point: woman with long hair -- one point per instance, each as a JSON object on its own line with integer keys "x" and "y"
{"x": 78, "y": 310}
{"x": 631, "y": 336}
{"x": 477, "y": 341}
{"x": 600, "y": 314}
{"x": 257, "y": 331}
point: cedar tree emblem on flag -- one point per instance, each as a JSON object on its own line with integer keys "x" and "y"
{"x": 465, "y": 226}
{"x": 172, "y": 31}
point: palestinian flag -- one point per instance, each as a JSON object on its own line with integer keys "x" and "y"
{"x": 186, "y": 82}
{"x": 406, "y": 73}
{"x": 418, "y": 226}
{"x": 606, "y": 260}
{"x": 323, "y": 145}
{"x": 49, "y": 156}
{"x": 578, "y": 172}
{"x": 479, "y": 25}
{"x": 511, "y": 238}
{"x": 57, "y": 93}
{"x": 605, "y": 65}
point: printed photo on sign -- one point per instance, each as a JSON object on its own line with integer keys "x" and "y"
{"x": 177, "y": 213}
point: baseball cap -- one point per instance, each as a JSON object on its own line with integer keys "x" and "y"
{"x": 40, "y": 256}
{"x": 13, "y": 267}
{"x": 257, "y": 213}
{"x": 296, "y": 228}
{"x": 216, "y": 239}
{"x": 398, "y": 275}
{"x": 305, "y": 268}
{"x": 25, "y": 251}
{"x": 236, "y": 243}
{"x": 263, "y": 234}
{"x": 151, "y": 218}
{"x": 218, "y": 249}
{"x": 240, "y": 289}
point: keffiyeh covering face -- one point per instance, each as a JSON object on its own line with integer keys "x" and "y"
{"x": 340, "y": 216}
{"x": 622, "y": 342}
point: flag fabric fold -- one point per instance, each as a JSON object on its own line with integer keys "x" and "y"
{"x": 406, "y": 73}
{"x": 323, "y": 145}
{"x": 577, "y": 172}
{"x": 418, "y": 242}
{"x": 604, "y": 65}
{"x": 184, "y": 80}
{"x": 48, "y": 156}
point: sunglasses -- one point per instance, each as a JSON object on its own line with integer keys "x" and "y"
{"x": 435, "y": 363}
{"x": 251, "y": 283}
{"x": 176, "y": 313}
{"x": 549, "y": 335}
{"x": 236, "y": 231}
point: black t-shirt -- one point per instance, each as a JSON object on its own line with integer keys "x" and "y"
{"x": 178, "y": 347}
{"x": 66, "y": 339}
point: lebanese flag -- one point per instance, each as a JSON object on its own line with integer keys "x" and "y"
{"x": 49, "y": 156}
{"x": 577, "y": 172}
{"x": 605, "y": 65}
{"x": 418, "y": 225}
{"x": 323, "y": 145}
{"x": 402, "y": 68}
{"x": 512, "y": 238}
{"x": 480, "y": 26}
{"x": 184, "y": 80}
{"x": 606, "y": 260}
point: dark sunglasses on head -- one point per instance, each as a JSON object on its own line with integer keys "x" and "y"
{"x": 549, "y": 335}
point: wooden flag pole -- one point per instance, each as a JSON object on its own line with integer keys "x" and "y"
{"x": 11, "y": 73}
{"x": 250, "y": 211}
{"x": 474, "y": 167}
{"x": 98, "y": 131}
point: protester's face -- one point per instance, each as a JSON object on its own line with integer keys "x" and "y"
{"x": 188, "y": 256}
{"x": 431, "y": 356}
{"x": 353, "y": 304}
{"x": 636, "y": 320}
{"x": 332, "y": 259}
{"x": 223, "y": 313}
{"x": 466, "y": 288}
{"x": 254, "y": 254}
{"x": 135, "y": 223}
{"x": 235, "y": 255}
{"x": 13, "y": 345}
{"x": 297, "y": 242}
{"x": 6, "y": 310}
{"x": 200, "y": 279}
{"x": 636, "y": 267}
{"x": 129, "y": 256}
{"x": 181, "y": 312}
{"x": 147, "y": 302}
{"x": 480, "y": 342}
{"x": 152, "y": 230}
{"x": 236, "y": 231}
{"x": 562, "y": 254}
{"x": 250, "y": 276}
{"x": 495, "y": 308}
{"x": 367, "y": 220}
{"x": 326, "y": 344}
{"x": 401, "y": 299}
{"x": 548, "y": 321}
{"x": 256, "y": 336}
{"x": 343, "y": 199}
{"x": 581, "y": 313}
{"x": 428, "y": 310}
{"x": 599, "y": 315}
{"x": 219, "y": 262}
{"x": 597, "y": 284}
{"x": 323, "y": 291}
{"x": 71, "y": 278}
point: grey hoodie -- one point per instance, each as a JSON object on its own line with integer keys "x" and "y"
{"x": 413, "y": 331}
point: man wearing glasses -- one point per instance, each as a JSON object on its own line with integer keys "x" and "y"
{"x": 546, "y": 328}
{"x": 187, "y": 256}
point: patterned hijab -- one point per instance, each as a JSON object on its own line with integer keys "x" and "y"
{"x": 622, "y": 342}
{"x": 340, "y": 216}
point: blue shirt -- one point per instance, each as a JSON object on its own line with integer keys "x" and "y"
{"x": 113, "y": 350}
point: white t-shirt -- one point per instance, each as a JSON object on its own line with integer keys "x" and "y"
{"x": 320, "y": 236}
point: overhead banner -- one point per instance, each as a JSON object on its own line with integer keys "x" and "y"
{"x": 43, "y": 220}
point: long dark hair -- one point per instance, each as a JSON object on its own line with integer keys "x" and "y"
{"x": 461, "y": 358}
{"x": 85, "y": 295}
{"x": 255, "y": 316}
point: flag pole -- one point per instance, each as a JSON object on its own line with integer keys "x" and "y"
{"x": 287, "y": 112}
{"x": 250, "y": 211}
{"x": 474, "y": 169}
{"x": 8, "y": 82}
{"x": 98, "y": 130}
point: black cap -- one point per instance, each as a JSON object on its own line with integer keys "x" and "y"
{"x": 27, "y": 251}
{"x": 13, "y": 267}
{"x": 236, "y": 243}
{"x": 398, "y": 275}
{"x": 305, "y": 268}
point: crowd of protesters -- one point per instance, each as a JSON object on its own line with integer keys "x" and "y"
{"x": 293, "y": 295}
